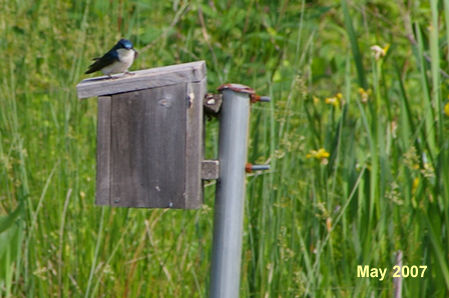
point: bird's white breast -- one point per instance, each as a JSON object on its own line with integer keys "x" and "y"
{"x": 126, "y": 58}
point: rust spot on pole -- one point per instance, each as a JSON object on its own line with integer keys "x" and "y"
{"x": 237, "y": 88}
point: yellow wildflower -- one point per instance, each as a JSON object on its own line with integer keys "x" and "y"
{"x": 336, "y": 100}
{"x": 333, "y": 101}
{"x": 446, "y": 109}
{"x": 364, "y": 94}
{"x": 379, "y": 51}
{"x": 320, "y": 154}
{"x": 316, "y": 100}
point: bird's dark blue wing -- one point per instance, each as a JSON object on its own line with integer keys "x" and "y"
{"x": 108, "y": 58}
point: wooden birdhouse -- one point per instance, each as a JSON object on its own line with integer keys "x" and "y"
{"x": 150, "y": 136}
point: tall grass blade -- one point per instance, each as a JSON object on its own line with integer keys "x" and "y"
{"x": 354, "y": 45}
{"x": 7, "y": 221}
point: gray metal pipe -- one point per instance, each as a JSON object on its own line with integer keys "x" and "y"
{"x": 258, "y": 167}
{"x": 230, "y": 194}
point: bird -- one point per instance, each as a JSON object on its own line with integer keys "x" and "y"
{"x": 116, "y": 60}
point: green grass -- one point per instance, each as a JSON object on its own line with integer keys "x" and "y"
{"x": 309, "y": 221}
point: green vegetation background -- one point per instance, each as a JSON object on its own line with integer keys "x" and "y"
{"x": 357, "y": 174}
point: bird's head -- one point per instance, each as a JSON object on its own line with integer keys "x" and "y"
{"x": 124, "y": 44}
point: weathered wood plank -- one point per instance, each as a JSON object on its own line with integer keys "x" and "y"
{"x": 194, "y": 143}
{"x": 103, "y": 150}
{"x": 143, "y": 79}
{"x": 148, "y": 143}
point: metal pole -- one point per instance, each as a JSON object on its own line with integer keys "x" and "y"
{"x": 230, "y": 194}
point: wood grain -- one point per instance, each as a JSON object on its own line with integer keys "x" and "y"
{"x": 147, "y": 148}
{"x": 103, "y": 151}
{"x": 194, "y": 143}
